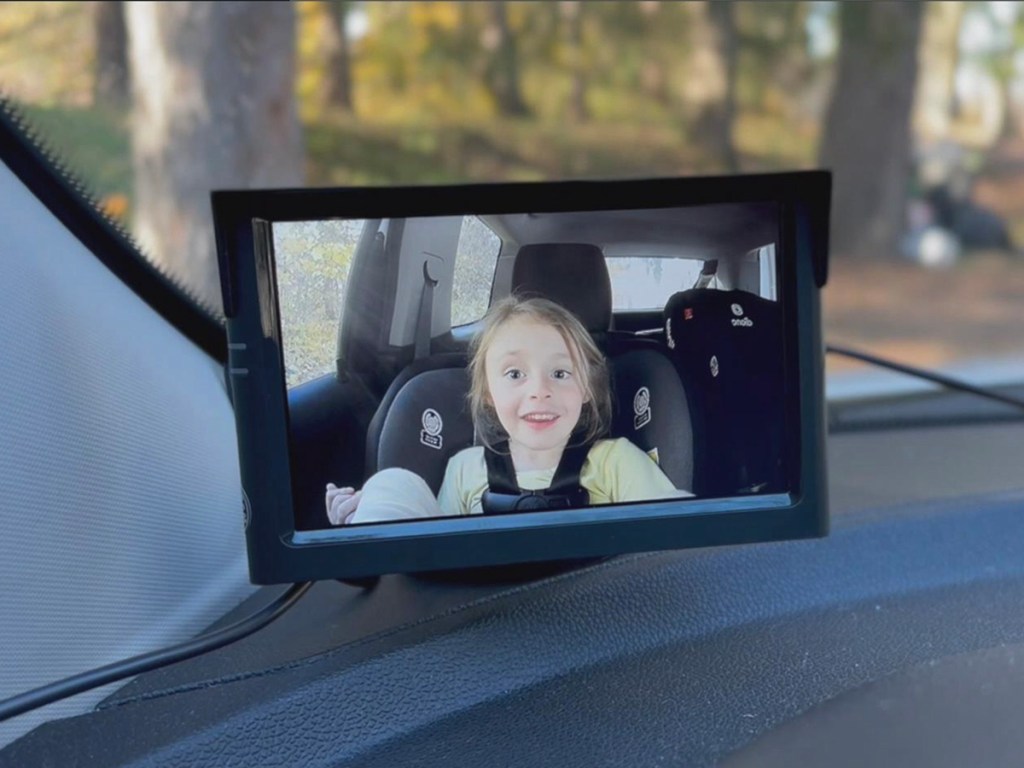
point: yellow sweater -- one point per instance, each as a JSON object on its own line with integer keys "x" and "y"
{"x": 615, "y": 471}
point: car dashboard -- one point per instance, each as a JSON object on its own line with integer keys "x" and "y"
{"x": 894, "y": 639}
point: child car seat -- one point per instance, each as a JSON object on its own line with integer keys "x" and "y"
{"x": 424, "y": 418}
{"x": 649, "y": 402}
{"x": 728, "y": 349}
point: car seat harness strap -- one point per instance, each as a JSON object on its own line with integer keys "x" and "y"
{"x": 504, "y": 494}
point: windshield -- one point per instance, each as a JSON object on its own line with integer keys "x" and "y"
{"x": 928, "y": 203}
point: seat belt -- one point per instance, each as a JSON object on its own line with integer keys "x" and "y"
{"x": 424, "y": 319}
{"x": 504, "y": 495}
{"x": 707, "y": 273}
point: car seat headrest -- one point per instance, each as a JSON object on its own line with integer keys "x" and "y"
{"x": 713, "y": 315}
{"x": 573, "y": 275}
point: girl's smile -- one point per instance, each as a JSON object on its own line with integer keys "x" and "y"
{"x": 540, "y": 421}
{"x": 535, "y": 389}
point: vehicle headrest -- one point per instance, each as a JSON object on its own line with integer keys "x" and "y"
{"x": 573, "y": 275}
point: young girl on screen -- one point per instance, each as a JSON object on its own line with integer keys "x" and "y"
{"x": 539, "y": 398}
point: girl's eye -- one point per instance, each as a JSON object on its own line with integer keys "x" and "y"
{"x": 561, "y": 373}
{"x": 514, "y": 374}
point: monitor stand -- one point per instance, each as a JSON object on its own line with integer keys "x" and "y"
{"x": 515, "y": 573}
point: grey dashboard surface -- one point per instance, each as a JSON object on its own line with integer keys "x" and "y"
{"x": 679, "y": 658}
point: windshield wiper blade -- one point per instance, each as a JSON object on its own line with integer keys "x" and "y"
{"x": 921, "y": 373}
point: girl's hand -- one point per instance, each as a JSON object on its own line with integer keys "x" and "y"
{"x": 341, "y": 503}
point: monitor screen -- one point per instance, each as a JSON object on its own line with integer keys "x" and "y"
{"x": 515, "y": 358}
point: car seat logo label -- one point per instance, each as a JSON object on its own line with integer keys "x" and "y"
{"x": 641, "y": 408}
{"x": 714, "y": 366}
{"x": 688, "y": 313}
{"x": 739, "y": 320}
{"x": 668, "y": 334}
{"x": 430, "y": 436}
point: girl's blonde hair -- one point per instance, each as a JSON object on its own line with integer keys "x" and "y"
{"x": 590, "y": 364}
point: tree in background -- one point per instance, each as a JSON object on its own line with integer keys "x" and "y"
{"x": 999, "y": 60}
{"x": 652, "y": 70}
{"x": 338, "y": 77}
{"x": 502, "y": 71}
{"x": 866, "y": 140}
{"x": 775, "y": 67}
{"x": 572, "y": 13}
{"x": 110, "y": 85}
{"x": 213, "y": 107}
{"x": 710, "y": 89}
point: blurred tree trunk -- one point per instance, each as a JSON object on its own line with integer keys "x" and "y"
{"x": 572, "y": 12}
{"x": 502, "y": 71}
{"x": 710, "y": 88}
{"x": 779, "y": 64}
{"x": 653, "y": 76}
{"x": 110, "y": 86}
{"x": 866, "y": 140}
{"x": 934, "y": 106}
{"x": 1009, "y": 128}
{"x": 213, "y": 107}
{"x": 338, "y": 83}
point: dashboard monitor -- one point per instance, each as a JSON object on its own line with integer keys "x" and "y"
{"x": 434, "y": 378}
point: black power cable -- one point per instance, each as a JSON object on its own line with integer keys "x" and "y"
{"x": 920, "y": 373}
{"x": 24, "y": 702}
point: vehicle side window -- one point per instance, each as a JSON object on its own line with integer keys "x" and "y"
{"x": 767, "y": 274}
{"x": 475, "y": 261}
{"x": 313, "y": 260}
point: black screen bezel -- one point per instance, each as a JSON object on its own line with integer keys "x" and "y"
{"x": 278, "y": 553}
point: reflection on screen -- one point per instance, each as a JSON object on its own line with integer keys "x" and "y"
{"x": 513, "y": 363}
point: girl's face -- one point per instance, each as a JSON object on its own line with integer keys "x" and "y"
{"x": 535, "y": 389}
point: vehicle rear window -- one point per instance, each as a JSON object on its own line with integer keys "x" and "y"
{"x": 640, "y": 283}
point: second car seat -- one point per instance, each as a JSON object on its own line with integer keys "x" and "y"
{"x": 727, "y": 346}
